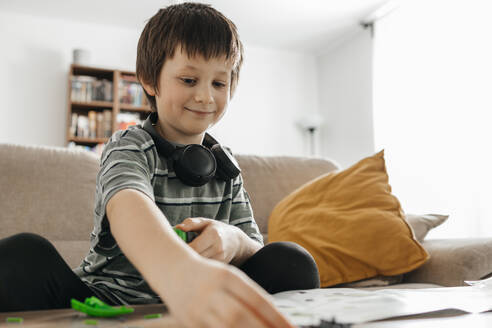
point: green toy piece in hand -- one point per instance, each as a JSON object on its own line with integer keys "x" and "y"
{"x": 180, "y": 233}
{"x": 97, "y": 308}
{"x": 186, "y": 236}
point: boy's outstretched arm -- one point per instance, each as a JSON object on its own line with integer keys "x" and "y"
{"x": 199, "y": 292}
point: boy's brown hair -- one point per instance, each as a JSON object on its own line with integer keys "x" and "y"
{"x": 198, "y": 28}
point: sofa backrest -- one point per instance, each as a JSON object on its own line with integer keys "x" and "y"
{"x": 47, "y": 190}
{"x": 50, "y": 191}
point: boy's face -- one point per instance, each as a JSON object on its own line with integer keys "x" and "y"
{"x": 193, "y": 95}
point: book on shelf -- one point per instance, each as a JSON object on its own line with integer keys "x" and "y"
{"x": 82, "y": 126}
{"x": 73, "y": 125}
{"x": 93, "y": 125}
{"x": 89, "y": 88}
{"x": 132, "y": 93}
{"x": 107, "y": 123}
{"x": 99, "y": 125}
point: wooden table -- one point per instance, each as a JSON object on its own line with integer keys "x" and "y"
{"x": 73, "y": 319}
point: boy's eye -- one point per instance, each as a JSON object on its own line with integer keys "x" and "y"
{"x": 188, "y": 81}
{"x": 219, "y": 84}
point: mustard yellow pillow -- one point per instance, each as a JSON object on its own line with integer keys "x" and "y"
{"x": 351, "y": 224}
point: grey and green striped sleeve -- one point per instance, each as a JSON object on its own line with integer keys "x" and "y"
{"x": 126, "y": 163}
{"x": 242, "y": 212}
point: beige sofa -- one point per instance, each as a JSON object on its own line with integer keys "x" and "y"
{"x": 50, "y": 191}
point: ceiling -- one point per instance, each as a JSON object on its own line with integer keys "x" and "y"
{"x": 304, "y": 26}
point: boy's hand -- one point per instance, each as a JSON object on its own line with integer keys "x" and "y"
{"x": 211, "y": 294}
{"x": 216, "y": 240}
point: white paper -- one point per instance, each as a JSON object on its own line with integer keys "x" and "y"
{"x": 349, "y": 305}
{"x": 483, "y": 282}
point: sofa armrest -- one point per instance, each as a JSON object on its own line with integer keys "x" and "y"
{"x": 452, "y": 261}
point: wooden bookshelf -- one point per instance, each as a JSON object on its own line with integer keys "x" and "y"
{"x": 86, "y": 101}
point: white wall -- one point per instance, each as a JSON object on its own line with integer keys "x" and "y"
{"x": 433, "y": 101}
{"x": 275, "y": 89}
{"x": 34, "y": 62}
{"x": 345, "y": 98}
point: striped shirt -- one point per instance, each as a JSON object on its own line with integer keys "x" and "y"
{"x": 130, "y": 161}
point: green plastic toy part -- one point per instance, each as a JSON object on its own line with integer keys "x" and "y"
{"x": 153, "y": 316}
{"x": 181, "y": 234}
{"x": 91, "y": 322}
{"x": 97, "y": 308}
{"x": 186, "y": 236}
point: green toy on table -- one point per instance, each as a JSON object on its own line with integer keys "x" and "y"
{"x": 97, "y": 308}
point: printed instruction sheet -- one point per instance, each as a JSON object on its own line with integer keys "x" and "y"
{"x": 349, "y": 305}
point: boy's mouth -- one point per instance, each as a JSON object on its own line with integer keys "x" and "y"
{"x": 198, "y": 112}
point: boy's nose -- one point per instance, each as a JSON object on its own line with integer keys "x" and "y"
{"x": 204, "y": 95}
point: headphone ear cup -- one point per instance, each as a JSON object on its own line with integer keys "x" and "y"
{"x": 194, "y": 165}
{"x": 227, "y": 166}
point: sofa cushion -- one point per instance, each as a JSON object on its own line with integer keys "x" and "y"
{"x": 453, "y": 261}
{"x": 422, "y": 224}
{"x": 268, "y": 179}
{"x": 351, "y": 224}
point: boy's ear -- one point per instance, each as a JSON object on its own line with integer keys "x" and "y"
{"x": 148, "y": 88}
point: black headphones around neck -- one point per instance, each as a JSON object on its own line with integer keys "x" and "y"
{"x": 194, "y": 164}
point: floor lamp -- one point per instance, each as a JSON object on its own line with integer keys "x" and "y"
{"x": 311, "y": 123}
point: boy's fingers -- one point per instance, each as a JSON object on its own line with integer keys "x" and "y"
{"x": 234, "y": 315}
{"x": 258, "y": 304}
{"x": 181, "y": 227}
{"x": 208, "y": 253}
{"x": 184, "y": 227}
{"x": 213, "y": 319}
{"x": 199, "y": 245}
{"x": 193, "y": 224}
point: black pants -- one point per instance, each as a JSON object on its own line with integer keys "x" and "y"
{"x": 33, "y": 275}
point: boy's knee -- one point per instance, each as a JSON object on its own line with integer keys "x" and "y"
{"x": 288, "y": 249}
{"x": 293, "y": 256}
{"x": 294, "y": 267}
{"x": 27, "y": 243}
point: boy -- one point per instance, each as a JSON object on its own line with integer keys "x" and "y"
{"x": 169, "y": 172}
